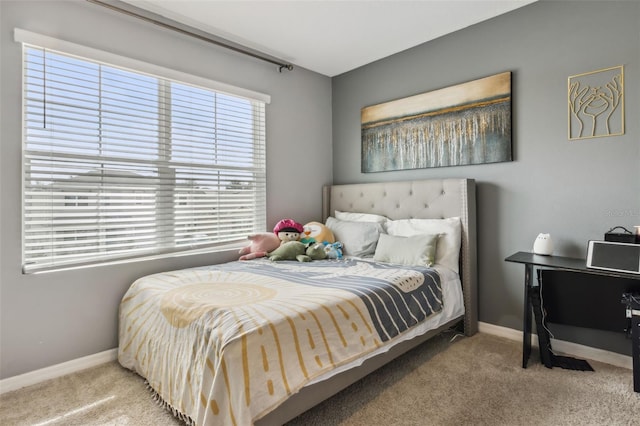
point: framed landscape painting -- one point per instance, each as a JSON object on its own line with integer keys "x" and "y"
{"x": 469, "y": 123}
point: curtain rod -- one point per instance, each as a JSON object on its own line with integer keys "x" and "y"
{"x": 280, "y": 64}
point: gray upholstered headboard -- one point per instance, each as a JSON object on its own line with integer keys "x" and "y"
{"x": 423, "y": 199}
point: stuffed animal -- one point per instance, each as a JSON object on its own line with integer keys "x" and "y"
{"x": 288, "y": 250}
{"x": 288, "y": 230}
{"x": 334, "y": 251}
{"x": 260, "y": 244}
{"x": 313, "y": 252}
{"x": 316, "y": 232}
{"x": 295, "y": 250}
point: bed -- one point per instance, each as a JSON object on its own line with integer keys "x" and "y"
{"x": 260, "y": 342}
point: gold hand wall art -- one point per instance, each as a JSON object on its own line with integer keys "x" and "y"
{"x": 596, "y": 103}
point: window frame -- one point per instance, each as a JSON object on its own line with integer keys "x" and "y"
{"x": 166, "y": 77}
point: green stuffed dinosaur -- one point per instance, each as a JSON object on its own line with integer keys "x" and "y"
{"x": 295, "y": 250}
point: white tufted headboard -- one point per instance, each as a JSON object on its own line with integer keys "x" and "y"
{"x": 423, "y": 199}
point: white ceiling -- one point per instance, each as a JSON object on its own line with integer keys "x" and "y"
{"x": 331, "y": 36}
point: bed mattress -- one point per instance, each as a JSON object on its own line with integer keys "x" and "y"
{"x": 226, "y": 344}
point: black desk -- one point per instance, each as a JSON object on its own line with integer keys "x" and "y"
{"x": 530, "y": 260}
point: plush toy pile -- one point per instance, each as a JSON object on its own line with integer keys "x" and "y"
{"x": 292, "y": 241}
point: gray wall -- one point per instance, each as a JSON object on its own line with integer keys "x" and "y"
{"x": 50, "y": 318}
{"x": 573, "y": 190}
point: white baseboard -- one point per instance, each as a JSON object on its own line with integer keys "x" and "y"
{"x": 573, "y": 349}
{"x": 58, "y": 370}
{"x": 562, "y": 346}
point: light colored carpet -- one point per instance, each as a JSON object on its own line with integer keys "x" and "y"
{"x": 472, "y": 381}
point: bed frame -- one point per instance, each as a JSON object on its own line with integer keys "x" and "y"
{"x": 422, "y": 199}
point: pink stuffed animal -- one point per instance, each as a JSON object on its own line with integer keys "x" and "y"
{"x": 260, "y": 245}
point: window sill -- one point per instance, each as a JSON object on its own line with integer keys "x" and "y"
{"x": 235, "y": 246}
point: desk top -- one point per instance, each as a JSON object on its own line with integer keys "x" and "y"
{"x": 564, "y": 263}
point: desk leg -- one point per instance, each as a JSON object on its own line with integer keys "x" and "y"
{"x": 526, "y": 327}
{"x": 635, "y": 351}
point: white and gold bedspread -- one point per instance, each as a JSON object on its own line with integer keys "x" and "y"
{"x": 226, "y": 344}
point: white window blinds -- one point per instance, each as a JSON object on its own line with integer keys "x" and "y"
{"x": 121, "y": 164}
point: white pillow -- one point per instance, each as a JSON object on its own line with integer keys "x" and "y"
{"x": 450, "y": 230}
{"x": 361, "y": 217}
{"x": 357, "y": 238}
{"x": 419, "y": 250}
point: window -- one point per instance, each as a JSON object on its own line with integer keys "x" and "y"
{"x": 121, "y": 164}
